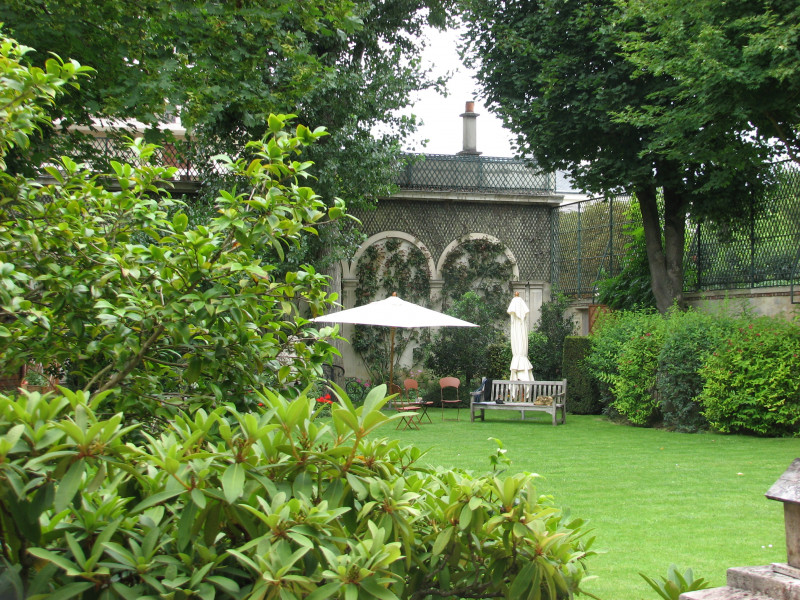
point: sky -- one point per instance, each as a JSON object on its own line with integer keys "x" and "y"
{"x": 442, "y": 125}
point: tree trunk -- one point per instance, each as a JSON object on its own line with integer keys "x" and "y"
{"x": 674, "y": 244}
{"x": 666, "y": 261}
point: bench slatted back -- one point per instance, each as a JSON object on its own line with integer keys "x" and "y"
{"x": 527, "y": 391}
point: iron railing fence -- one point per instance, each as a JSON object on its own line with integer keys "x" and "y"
{"x": 100, "y": 151}
{"x": 470, "y": 173}
{"x": 590, "y": 243}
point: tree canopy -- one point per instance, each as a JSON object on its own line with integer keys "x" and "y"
{"x": 554, "y": 71}
{"x": 224, "y": 67}
{"x": 732, "y": 64}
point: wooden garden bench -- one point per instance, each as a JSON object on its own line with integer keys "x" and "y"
{"x": 540, "y": 396}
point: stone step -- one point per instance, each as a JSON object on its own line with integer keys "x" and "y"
{"x": 723, "y": 593}
{"x": 765, "y": 580}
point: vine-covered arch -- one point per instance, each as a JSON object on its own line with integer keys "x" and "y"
{"x": 476, "y": 236}
{"x": 479, "y": 264}
{"x": 350, "y": 268}
{"x": 391, "y": 261}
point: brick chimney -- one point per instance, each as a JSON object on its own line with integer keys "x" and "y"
{"x": 470, "y": 142}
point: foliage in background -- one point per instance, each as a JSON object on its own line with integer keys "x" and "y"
{"x": 479, "y": 266}
{"x": 223, "y": 67}
{"x": 546, "y": 341}
{"x": 674, "y": 584}
{"x": 385, "y": 268}
{"x": 624, "y": 358}
{"x": 751, "y": 383}
{"x": 461, "y": 351}
{"x": 583, "y": 397}
{"x": 635, "y": 393}
{"x": 733, "y": 66}
{"x": 114, "y": 288}
{"x": 272, "y": 504}
{"x": 498, "y": 359}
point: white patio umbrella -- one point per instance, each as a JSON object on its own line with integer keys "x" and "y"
{"x": 521, "y": 367}
{"x": 393, "y": 312}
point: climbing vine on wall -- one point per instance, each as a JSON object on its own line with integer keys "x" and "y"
{"x": 480, "y": 266}
{"x": 391, "y": 266}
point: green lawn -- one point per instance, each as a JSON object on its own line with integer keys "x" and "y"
{"x": 653, "y": 497}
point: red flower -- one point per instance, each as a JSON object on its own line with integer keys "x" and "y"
{"x": 261, "y": 404}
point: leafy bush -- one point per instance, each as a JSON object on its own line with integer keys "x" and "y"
{"x": 269, "y": 504}
{"x": 498, "y": 357}
{"x": 546, "y": 350}
{"x": 624, "y": 357}
{"x": 105, "y": 278}
{"x": 751, "y": 383}
{"x": 635, "y": 389}
{"x": 582, "y": 393}
{"x": 689, "y": 338}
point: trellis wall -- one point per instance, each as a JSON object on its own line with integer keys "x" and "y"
{"x": 524, "y": 229}
{"x": 589, "y": 242}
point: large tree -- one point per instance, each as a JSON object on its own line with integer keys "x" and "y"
{"x": 553, "y": 70}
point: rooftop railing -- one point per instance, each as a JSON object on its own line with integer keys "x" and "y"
{"x": 471, "y": 173}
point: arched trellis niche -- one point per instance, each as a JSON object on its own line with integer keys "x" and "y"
{"x": 476, "y": 236}
{"x": 362, "y": 358}
{"x": 532, "y": 292}
{"x": 349, "y": 267}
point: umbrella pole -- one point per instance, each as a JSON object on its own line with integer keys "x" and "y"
{"x": 391, "y": 357}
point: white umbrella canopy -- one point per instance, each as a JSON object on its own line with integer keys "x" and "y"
{"x": 521, "y": 367}
{"x": 393, "y": 312}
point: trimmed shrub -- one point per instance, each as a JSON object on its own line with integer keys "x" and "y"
{"x": 751, "y": 383}
{"x": 270, "y": 504}
{"x": 583, "y": 397}
{"x": 691, "y": 336}
{"x": 624, "y": 357}
{"x": 635, "y": 389}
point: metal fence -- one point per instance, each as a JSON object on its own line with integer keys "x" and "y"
{"x": 590, "y": 242}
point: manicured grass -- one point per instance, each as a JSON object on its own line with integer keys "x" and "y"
{"x": 653, "y": 497}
